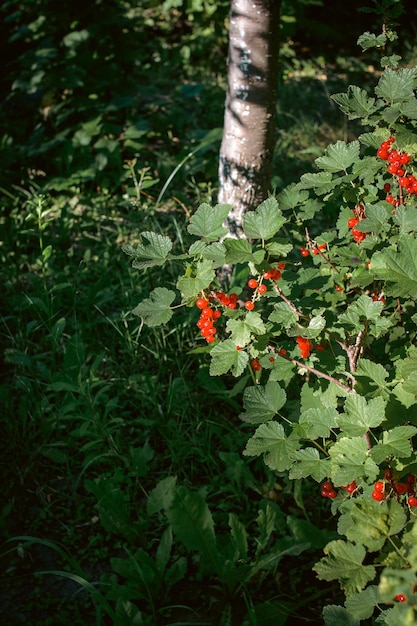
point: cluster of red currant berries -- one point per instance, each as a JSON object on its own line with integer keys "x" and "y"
{"x": 315, "y": 249}
{"x": 328, "y": 490}
{"x": 305, "y": 346}
{"x": 358, "y": 215}
{"x": 229, "y": 302}
{"x": 208, "y": 318}
{"x": 397, "y": 162}
{"x": 383, "y": 489}
{"x": 259, "y": 286}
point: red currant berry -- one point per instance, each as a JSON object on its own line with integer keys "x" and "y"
{"x": 383, "y": 154}
{"x": 379, "y": 486}
{"x": 252, "y": 283}
{"x": 339, "y": 288}
{"x": 352, "y": 222}
{"x": 262, "y": 289}
{"x": 387, "y": 187}
{"x": 377, "y": 495}
{"x": 256, "y": 365}
{"x": 249, "y": 305}
{"x": 201, "y": 303}
{"x": 400, "y": 488}
{"x": 281, "y": 265}
{"x": 412, "y": 501}
{"x": 327, "y": 486}
{"x": 210, "y": 338}
{"x": 332, "y": 494}
{"x": 390, "y": 199}
{"x": 400, "y": 597}
{"x": 304, "y": 252}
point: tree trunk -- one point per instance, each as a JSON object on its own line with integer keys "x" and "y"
{"x": 248, "y": 135}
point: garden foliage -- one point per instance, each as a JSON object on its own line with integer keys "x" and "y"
{"x": 323, "y": 338}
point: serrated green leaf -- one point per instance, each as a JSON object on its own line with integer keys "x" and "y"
{"x": 238, "y": 251}
{"x": 307, "y": 462}
{"x": 283, "y": 315}
{"x": 265, "y": 221}
{"x": 197, "y": 248}
{"x": 395, "y": 442}
{"x": 242, "y": 329}
{"x": 161, "y": 497}
{"x": 278, "y": 248}
{"x": 355, "y": 103}
{"x": 370, "y": 40}
{"x": 261, "y": 404}
{"x": 360, "y": 416}
{"x": 207, "y": 222}
{"x": 377, "y": 215}
{"x": 321, "y": 182}
{"x": 339, "y": 156}
{"x": 225, "y": 358}
{"x": 156, "y": 310}
{"x": 374, "y": 373}
{"x": 406, "y": 218}
{"x": 362, "y": 604}
{"x": 370, "y": 523}
{"x": 364, "y": 308}
{"x": 239, "y": 536}
{"x": 193, "y": 526}
{"x": 291, "y": 197}
{"x": 409, "y": 108}
{"x": 153, "y": 253}
{"x": 396, "y": 86}
{"x": 271, "y": 441}
{"x": 398, "y": 268}
{"x": 350, "y": 460}
{"x": 345, "y": 564}
{"x": 215, "y": 252}
{"x": 202, "y": 274}
{"x": 338, "y": 616}
{"x": 318, "y": 422}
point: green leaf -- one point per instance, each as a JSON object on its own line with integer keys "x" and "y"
{"x": 374, "y": 374}
{"x": 398, "y": 268}
{"x": 192, "y": 524}
{"x": 207, "y": 222}
{"x": 307, "y": 462}
{"x": 215, "y": 252}
{"x": 339, "y": 156}
{"x": 409, "y": 108}
{"x": 355, "y": 103}
{"x": 283, "y": 315}
{"x": 261, "y": 404}
{"x": 225, "y": 358}
{"x": 370, "y": 523}
{"x": 238, "y": 251}
{"x": 338, "y": 616}
{"x": 350, "y": 460}
{"x": 161, "y": 497}
{"x": 242, "y": 329}
{"x": 201, "y": 275}
{"x": 396, "y": 86}
{"x": 362, "y": 604}
{"x": 291, "y": 196}
{"x": 345, "y": 564}
{"x": 360, "y": 416}
{"x": 270, "y": 440}
{"x": 406, "y": 218}
{"x": 364, "y": 308}
{"x": 151, "y": 254}
{"x": 265, "y": 221}
{"x": 395, "y": 442}
{"x": 156, "y": 310}
{"x": 239, "y": 536}
{"x": 279, "y": 248}
{"x": 321, "y": 182}
{"x": 370, "y": 40}
{"x": 318, "y": 422}
{"x": 377, "y": 215}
